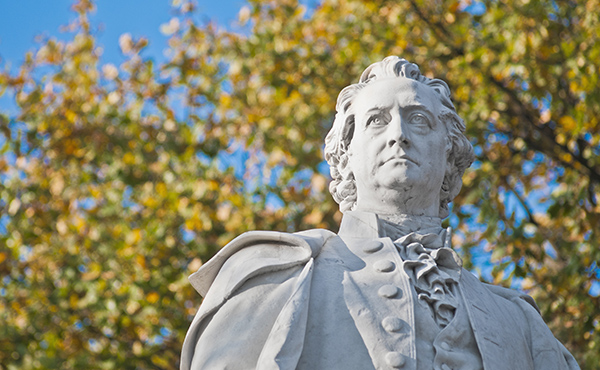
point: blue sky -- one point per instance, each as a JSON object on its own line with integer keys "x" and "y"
{"x": 22, "y": 20}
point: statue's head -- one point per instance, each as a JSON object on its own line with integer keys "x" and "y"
{"x": 397, "y": 144}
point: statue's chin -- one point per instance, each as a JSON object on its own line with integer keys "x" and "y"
{"x": 400, "y": 188}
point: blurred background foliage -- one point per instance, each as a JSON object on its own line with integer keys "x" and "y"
{"x": 117, "y": 182}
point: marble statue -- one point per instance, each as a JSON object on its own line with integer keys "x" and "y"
{"x": 387, "y": 291}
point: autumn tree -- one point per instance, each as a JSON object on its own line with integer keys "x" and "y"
{"x": 119, "y": 181}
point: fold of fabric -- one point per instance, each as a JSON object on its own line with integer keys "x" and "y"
{"x": 284, "y": 345}
{"x": 434, "y": 270}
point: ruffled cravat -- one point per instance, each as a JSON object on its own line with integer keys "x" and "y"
{"x": 433, "y": 267}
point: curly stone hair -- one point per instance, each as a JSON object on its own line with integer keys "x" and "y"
{"x": 460, "y": 155}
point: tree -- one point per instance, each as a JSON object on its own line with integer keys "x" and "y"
{"x": 117, "y": 182}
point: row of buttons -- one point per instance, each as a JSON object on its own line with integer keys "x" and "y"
{"x": 396, "y": 360}
{"x": 391, "y": 324}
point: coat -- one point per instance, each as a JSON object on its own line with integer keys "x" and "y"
{"x": 311, "y": 300}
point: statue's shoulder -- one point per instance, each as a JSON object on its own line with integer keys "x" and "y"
{"x": 256, "y": 252}
{"x": 512, "y": 295}
{"x": 542, "y": 341}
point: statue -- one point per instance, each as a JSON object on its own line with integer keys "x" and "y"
{"x": 387, "y": 291}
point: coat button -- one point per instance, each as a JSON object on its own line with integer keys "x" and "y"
{"x": 395, "y": 359}
{"x": 392, "y": 324}
{"x": 384, "y": 266}
{"x": 372, "y": 246}
{"x": 445, "y": 346}
{"x": 388, "y": 291}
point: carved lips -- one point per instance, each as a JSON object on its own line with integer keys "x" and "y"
{"x": 400, "y": 157}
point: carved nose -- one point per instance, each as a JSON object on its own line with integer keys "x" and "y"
{"x": 398, "y": 135}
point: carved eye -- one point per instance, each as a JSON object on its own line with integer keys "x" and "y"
{"x": 419, "y": 119}
{"x": 377, "y": 120}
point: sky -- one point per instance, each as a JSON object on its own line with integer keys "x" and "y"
{"x": 21, "y": 21}
{"x": 24, "y": 22}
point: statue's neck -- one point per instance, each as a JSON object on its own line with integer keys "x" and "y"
{"x": 398, "y": 225}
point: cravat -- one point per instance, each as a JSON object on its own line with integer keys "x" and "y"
{"x": 434, "y": 269}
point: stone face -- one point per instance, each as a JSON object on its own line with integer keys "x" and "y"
{"x": 387, "y": 291}
{"x": 398, "y": 149}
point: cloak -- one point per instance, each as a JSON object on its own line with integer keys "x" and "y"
{"x": 320, "y": 300}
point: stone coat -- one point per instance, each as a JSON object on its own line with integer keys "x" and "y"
{"x": 317, "y": 300}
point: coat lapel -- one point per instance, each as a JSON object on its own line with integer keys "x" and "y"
{"x": 494, "y": 320}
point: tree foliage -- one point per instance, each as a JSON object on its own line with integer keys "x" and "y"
{"x": 119, "y": 181}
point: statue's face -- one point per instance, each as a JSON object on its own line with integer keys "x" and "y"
{"x": 398, "y": 151}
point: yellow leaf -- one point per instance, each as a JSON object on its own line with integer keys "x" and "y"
{"x": 244, "y": 15}
{"x": 567, "y": 122}
{"x": 71, "y": 116}
{"x": 73, "y": 299}
{"x": 170, "y": 28}
{"x": 137, "y": 348}
{"x": 159, "y": 361}
{"x": 574, "y": 86}
{"x": 134, "y": 236}
{"x": 314, "y": 217}
{"x": 14, "y": 206}
{"x": 566, "y": 157}
{"x": 152, "y": 297}
{"x": 61, "y": 226}
{"x": 92, "y": 273}
{"x": 161, "y": 189}
{"x": 113, "y": 97}
{"x": 141, "y": 260}
{"x": 129, "y": 158}
{"x": 195, "y": 264}
{"x": 213, "y": 185}
{"x": 225, "y": 100}
{"x": 150, "y": 202}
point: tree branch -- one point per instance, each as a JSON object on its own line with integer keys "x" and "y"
{"x": 549, "y": 146}
{"x": 521, "y": 201}
{"x": 439, "y": 29}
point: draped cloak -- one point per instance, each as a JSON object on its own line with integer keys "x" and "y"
{"x": 320, "y": 300}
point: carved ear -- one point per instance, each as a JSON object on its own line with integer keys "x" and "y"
{"x": 347, "y": 133}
